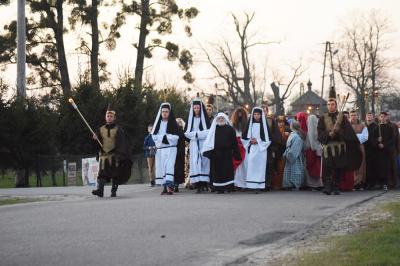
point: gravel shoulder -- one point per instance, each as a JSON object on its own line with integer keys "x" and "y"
{"x": 311, "y": 239}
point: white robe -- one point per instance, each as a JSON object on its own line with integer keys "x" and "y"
{"x": 363, "y": 136}
{"x": 199, "y": 170}
{"x": 240, "y": 173}
{"x": 165, "y": 155}
{"x": 256, "y": 159}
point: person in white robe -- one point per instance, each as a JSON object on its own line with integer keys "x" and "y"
{"x": 196, "y": 131}
{"x": 256, "y": 142}
{"x": 166, "y": 135}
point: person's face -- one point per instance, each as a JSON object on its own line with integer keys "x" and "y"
{"x": 281, "y": 124}
{"x": 346, "y": 116}
{"x": 331, "y": 106}
{"x": 221, "y": 121}
{"x": 240, "y": 114}
{"x": 209, "y": 110}
{"x": 257, "y": 117}
{"x": 383, "y": 118}
{"x": 149, "y": 129}
{"x": 110, "y": 118}
{"x": 196, "y": 110}
{"x": 353, "y": 117}
{"x": 369, "y": 117}
{"x": 165, "y": 113}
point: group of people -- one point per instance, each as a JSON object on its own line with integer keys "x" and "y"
{"x": 257, "y": 151}
{"x": 334, "y": 152}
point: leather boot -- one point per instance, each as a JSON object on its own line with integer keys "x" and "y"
{"x": 100, "y": 188}
{"x": 114, "y": 188}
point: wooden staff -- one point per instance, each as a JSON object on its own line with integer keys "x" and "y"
{"x": 343, "y": 103}
{"x": 71, "y": 101}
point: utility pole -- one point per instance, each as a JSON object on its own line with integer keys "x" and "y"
{"x": 21, "y": 50}
{"x": 328, "y": 52}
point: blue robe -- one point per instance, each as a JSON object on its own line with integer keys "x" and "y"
{"x": 294, "y": 173}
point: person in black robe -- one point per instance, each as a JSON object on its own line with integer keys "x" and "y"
{"x": 384, "y": 142}
{"x": 221, "y": 147}
{"x": 393, "y": 181}
{"x": 370, "y": 152}
{"x": 210, "y": 112}
{"x": 273, "y": 151}
{"x": 341, "y": 147}
{"x": 114, "y": 162}
{"x": 179, "y": 177}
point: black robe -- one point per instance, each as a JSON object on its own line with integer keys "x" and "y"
{"x": 347, "y": 157}
{"x": 179, "y": 174}
{"x": 221, "y": 157}
{"x": 371, "y": 156}
{"x": 274, "y": 151}
{"x": 120, "y": 167}
{"x": 384, "y": 156}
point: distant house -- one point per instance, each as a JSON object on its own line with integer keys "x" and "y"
{"x": 308, "y": 102}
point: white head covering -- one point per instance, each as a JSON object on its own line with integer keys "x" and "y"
{"x": 210, "y": 140}
{"x": 191, "y": 114}
{"x": 263, "y": 124}
{"x": 158, "y": 117}
{"x": 312, "y": 134}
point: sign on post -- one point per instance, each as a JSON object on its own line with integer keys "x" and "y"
{"x": 90, "y": 170}
{"x": 71, "y": 174}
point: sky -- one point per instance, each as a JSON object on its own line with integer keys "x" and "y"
{"x": 299, "y": 26}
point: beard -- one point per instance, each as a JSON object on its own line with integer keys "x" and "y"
{"x": 220, "y": 123}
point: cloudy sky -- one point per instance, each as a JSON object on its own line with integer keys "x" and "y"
{"x": 300, "y": 26}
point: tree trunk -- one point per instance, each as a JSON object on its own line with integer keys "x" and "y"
{"x": 53, "y": 178}
{"x": 280, "y": 110}
{"x": 21, "y": 50}
{"x": 38, "y": 177}
{"x": 62, "y": 60}
{"x": 142, "y": 44}
{"x": 361, "y": 105}
{"x": 94, "y": 53}
{"x": 20, "y": 178}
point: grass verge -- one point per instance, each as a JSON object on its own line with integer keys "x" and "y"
{"x": 377, "y": 244}
{"x": 10, "y": 201}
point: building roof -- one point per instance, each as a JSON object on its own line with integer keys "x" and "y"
{"x": 309, "y": 97}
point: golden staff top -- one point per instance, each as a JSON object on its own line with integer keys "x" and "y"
{"x": 71, "y": 101}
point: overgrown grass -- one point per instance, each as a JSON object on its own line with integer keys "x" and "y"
{"x": 378, "y": 244}
{"x": 9, "y": 201}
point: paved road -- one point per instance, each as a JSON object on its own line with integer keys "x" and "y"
{"x": 140, "y": 227}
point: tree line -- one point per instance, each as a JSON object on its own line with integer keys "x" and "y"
{"x": 48, "y": 126}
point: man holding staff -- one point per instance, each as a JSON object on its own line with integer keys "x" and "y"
{"x": 383, "y": 140}
{"x": 341, "y": 147}
{"x": 115, "y": 165}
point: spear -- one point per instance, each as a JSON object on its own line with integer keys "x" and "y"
{"x": 71, "y": 101}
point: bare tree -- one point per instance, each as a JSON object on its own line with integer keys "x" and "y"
{"x": 239, "y": 74}
{"x": 287, "y": 84}
{"x": 361, "y": 60}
